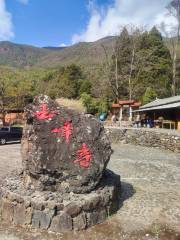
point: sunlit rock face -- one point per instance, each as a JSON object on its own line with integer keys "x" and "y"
{"x": 63, "y": 150}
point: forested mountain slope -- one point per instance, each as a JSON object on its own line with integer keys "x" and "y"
{"x": 18, "y": 55}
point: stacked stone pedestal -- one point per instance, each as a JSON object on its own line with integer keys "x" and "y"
{"x": 64, "y": 184}
{"x": 58, "y": 212}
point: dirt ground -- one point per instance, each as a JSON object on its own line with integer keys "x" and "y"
{"x": 150, "y": 200}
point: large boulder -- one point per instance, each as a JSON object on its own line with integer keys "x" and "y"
{"x": 63, "y": 150}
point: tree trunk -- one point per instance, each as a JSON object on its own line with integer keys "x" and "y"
{"x": 117, "y": 85}
{"x": 178, "y": 19}
{"x": 174, "y": 58}
{"x": 130, "y": 74}
{"x": 2, "y": 111}
{"x": 174, "y": 74}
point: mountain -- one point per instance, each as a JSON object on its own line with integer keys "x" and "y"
{"x": 54, "y": 48}
{"x": 87, "y": 54}
{"x": 18, "y": 55}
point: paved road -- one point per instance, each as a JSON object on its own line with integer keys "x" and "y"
{"x": 10, "y": 158}
{"x": 153, "y": 178}
{"x": 150, "y": 202}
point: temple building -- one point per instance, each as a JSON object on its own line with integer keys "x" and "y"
{"x": 124, "y": 109}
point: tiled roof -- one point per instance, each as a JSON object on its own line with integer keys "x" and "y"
{"x": 162, "y": 102}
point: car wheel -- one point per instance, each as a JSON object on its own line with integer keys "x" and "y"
{"x": 3, "y": 141}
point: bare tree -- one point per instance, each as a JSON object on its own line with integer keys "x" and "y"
{"x": 173, "y": 38}
{"x": 174, "y": 10}
{"x": 110, "y": 76}
{"x": 135, "y": 34}
{"x": 114, "y": 77}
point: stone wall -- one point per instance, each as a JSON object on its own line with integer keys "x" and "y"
{"x": 158, "y": 138}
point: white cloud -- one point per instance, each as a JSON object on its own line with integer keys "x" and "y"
{"x": 24, "y": 1}
{"x": 62, "y": 45}
{"x": 6, "y": 28}
{"x": 104, "y": 22}
{"x": 169, "y": 22}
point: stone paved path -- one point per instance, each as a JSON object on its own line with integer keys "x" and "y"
{"x": 150, "y": 203}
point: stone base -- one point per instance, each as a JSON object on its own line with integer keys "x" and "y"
{"x": 55, "y": 211}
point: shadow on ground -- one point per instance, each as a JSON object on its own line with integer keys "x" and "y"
{"x": 126, "y": 191}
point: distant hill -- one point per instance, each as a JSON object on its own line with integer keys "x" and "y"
{"x": 17, "y": 55}
{"x": 85, "y": 53}
{"x": 54, "y": 48}
{"x": 82, "y": 53}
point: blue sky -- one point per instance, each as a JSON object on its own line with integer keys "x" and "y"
{"x": 58, "y": 22}
{"x": 47, "y": 22}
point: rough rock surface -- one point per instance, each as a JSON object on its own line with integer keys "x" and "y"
{"x": 63, "y": 150}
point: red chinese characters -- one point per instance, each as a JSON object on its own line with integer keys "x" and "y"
{"x": 64, "y": 131}
{"x": 44, "y": 114}
{"x": 83, "y": 156}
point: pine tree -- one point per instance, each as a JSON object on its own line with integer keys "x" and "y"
{"x": 157, "y": 64}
